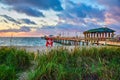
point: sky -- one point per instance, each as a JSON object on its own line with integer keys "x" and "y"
{"x": 35, "y": 18}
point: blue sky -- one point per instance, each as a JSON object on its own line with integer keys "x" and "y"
{"x": 45, "y": 17}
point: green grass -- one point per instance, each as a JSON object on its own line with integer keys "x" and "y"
{"x": 79, "y": 64}
{"x": 13, "y": 61}
{"x": 7, "y": 72}
{"x": 96, "y": 63}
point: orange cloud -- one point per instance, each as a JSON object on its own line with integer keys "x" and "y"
{"x": 20, "y": 34}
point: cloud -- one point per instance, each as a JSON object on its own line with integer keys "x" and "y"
{"x": 41, "y": 4}
{"x": 27, "y": 21}
{"x": 77, "y": 14}
{"x": 22, "y": 29}
{"x": 81, "y": 11}
{"x": 18, "y": 21}
{"x": 33, "y": 7}
{"x": 29, "y": 11}
{"x": 80, "y": 17}
{"x": 10, "y": 19}
{"x": 68, "y": 27}
{"x": 4, "y": 21}
{"x": 110, "y": 2}
{"x": 47, "y": 27}
{"x": 113, "y": 9}
{"x": 25, "y": 29}
{"x": 79, "y": 28}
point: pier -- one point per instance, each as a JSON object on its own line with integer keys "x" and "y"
{"x": 70, "y": 41}
{"x": 99, "y": 36}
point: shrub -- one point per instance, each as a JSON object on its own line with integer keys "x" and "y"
{"x": 7, "y": 72}
{"x": 13, "y": 61}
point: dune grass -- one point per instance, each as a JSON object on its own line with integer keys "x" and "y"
{"x": 96, "y": 63}
{"x": 78, "y": 64}
{"x": 13, "y": 61}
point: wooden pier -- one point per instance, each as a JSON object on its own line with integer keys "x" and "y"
{"x": 82, "y": 42}
{"x": 70, "y": 41}
{"x": 91, "y": 37}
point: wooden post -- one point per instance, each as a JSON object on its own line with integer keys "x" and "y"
{"x": 97, "y": 35}
{"x": 102, "y": 36}
{"x": 65, "y": 42}
{"x": 109, "y": 34}
{"x": 112, "y": 34}
{"x": 105, "y": 36}
{"x": 91, "y": 35}
{"x": 82, "y": 43}
{"x": 85, "y": 36}
{"x": 87, "y": 43}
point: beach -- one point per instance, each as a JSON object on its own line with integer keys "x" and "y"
{"x": 36, "y": 49}
{"x": 34, "y": 62}
{"x": 42, "y": 49}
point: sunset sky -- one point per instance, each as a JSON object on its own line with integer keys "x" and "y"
{"x": 25, "y": 18}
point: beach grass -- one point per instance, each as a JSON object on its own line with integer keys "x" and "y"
{"x": 13, "y": 61}
{"x": 80, "y": 63}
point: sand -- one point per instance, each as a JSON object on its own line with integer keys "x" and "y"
{"x": 38, "y": 49}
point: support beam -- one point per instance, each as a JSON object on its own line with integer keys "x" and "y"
{"x": 109, "y": 34}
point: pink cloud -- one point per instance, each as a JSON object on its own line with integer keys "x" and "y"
{"x": 109, "y": 19}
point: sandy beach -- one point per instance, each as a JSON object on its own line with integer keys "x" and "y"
{"x": 37, "y": 49}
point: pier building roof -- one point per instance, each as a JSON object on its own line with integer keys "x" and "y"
{"x": 99, "y": 30}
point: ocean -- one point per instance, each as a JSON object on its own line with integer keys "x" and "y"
{"x": 23, "y": 41}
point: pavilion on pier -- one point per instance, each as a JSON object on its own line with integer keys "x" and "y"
{"x": 98, "y": 34}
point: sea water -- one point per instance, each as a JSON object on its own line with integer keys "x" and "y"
{"x": 23, "y": 41}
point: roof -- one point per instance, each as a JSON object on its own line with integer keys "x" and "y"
{"x": 99, "y": 30}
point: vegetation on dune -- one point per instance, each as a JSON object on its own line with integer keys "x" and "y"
{"x": 13, "y": 61}
{"x": 7, "y": 72}
{"x": 78, "y": 64}
{"x": 100, "y": 63}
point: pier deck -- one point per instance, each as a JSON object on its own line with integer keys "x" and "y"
{"x": 81, "y": 41}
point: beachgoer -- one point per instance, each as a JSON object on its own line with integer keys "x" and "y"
{"x": 49, "y": 42}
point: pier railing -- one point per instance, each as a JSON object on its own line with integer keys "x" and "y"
{"x": 84, "y": 41}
